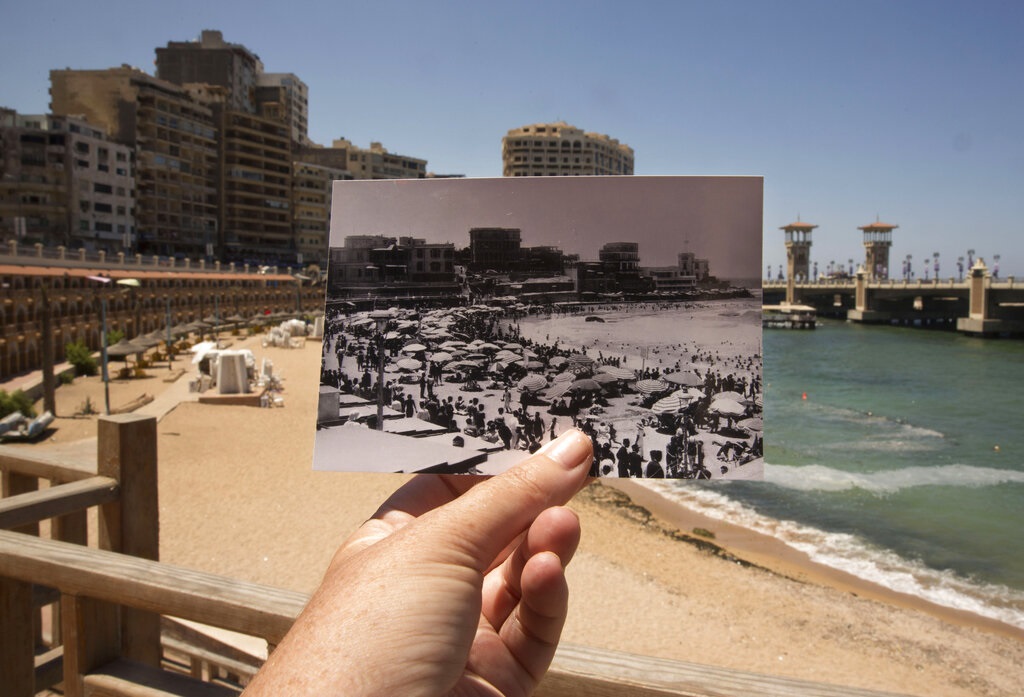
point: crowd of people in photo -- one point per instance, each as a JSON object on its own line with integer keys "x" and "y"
{"x": 471, "y": 372}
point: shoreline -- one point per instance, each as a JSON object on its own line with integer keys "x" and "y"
{"x": 777, "y": 557}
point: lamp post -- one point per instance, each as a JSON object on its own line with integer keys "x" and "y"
{"x": 960, "y": 267}
{"x": 769, "y": 272}
{"x": 995, "y": 266}
{"x": 970, "y": 258}
{"x": 815, "y": 274}
{"x": 910, "y": 268}
{"x": 935, "y": 256}
{"x": 781, "y": 277}
{"x": 381, "y": 318}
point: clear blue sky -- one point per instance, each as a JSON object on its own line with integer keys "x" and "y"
{"x": 909, "y": 111}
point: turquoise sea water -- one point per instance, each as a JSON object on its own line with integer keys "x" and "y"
{"x": 904, "y": 464}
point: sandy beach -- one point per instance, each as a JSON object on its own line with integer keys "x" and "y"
{"x": 238, "y": 497}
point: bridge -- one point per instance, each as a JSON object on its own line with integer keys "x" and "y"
{"x": 979, "y": 305}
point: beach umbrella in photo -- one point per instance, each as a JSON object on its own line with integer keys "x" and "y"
{"x": 619, "y": 373}
{"x": 727, "y": 407}
{"x": 530, "y": 365}
{"x": 670, "y": 404}
{"x": 514, "y": 347}
{"x": 441, "y": 356}
{"x": 532, "y": 383}
{"x": 580, "y": 360}
{"x": 755, "y": 423}
{"x": 506, "y": 355}
{"x": 692, "y": 392}
{"x": 146, "y": 341}
{"x": 413, "y": 348}
{"x": 565, "y": 377}
{"x": 584, "y": 385}
{"x": 409, "y": 364}
{"x": 488, "y": 347}
{"x": 556, "y": 390}
{"x": 558, "y": 361}
{"x": 476, "y": 357}
{"x": 605, "y": 378}
{"x": 734, "y": 396}
{"x": 684, "y": 378}
{"x": 651, "y": 386}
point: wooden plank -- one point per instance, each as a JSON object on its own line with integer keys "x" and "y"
{"x": 124, "y": 678}
{"x": 18, "y": 484}
{"x": 49, "y": 668}
{"x": 127, "y": 452}
{"x": 92, "y": 638}
{"x": 240, "y": 606}
{"x": 32, "y": 507}
{"x": 73, "y": 528}
{"x": 17, "y": 638}
{"x": 579, "y": 671}
{"x": 21, "y": 461}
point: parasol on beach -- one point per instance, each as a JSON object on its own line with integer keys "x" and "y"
{"x": 557, "y": 361}
{"x": 619, "y": 373}
{"x": 651, "y": 386}
{"x": 409, "y": 364}
{"x": 413, "y": 348}
{"x": 567, "y": 376}
{"x": 532, "y": 383}
{"x": 441, "y": 356}
{"x": 556, "y": 390}
{"x": 755, "y": 423}
{"x": 530, "y": 365}
{"x": 670, "y": 404}
{"x": 605, "y": 378}
{"x": 488, "y": 347}
{"x": 514, "y": 347}
{"x": 684, "y": 379}
{"x": 581, "y": 360}
{"x": 584, "y": 385}
{"x": 726, "y": 406}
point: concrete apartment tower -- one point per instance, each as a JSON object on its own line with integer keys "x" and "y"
{"x": 558, "y": 149}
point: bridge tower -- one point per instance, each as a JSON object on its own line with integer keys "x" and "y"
{"x": 798, "y": 255}
{"x": 877, "y": 241}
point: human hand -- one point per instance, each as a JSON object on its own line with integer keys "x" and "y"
{"x": 455, "y": 586}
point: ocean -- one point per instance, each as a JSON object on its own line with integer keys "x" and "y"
{"x": 895, "y": 454}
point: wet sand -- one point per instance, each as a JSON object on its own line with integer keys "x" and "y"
{"x": 238, "y": 497}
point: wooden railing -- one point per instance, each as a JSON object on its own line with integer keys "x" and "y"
{"x": 107, "y": 635}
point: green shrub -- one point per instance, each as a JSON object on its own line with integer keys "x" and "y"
{"x": 16, "y": 401}
{"x": 65, "y": 378}
{"x": 113, "y": 336}
{"x": 78, "y": 354}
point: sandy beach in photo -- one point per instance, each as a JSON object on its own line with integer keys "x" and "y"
{"x": 238, "y": 497}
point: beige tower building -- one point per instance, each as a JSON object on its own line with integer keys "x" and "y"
{"x": 559, "y": 149}
{"x": 798, "y": 250}
{"x": 877, "y": 242}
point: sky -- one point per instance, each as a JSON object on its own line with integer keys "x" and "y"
{"x": 716, "y": 218}
{"x": 908, "y": 112}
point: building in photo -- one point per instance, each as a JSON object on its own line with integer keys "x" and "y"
{"x": 559, "y": 149}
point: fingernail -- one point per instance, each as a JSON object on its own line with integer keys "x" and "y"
{"x": 570, "y": 450}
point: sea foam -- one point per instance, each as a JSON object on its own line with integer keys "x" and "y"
{"x": 852, "y": 555}
{"x": 821, "y": 478}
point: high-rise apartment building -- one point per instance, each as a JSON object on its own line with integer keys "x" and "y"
{"x": 377, "y": 163}
{"x": 175, "y": 144}
{"x": 283, "y": 96}
{"x": 311, "y": 208}
{"x": 559, "y": 149}
{"x": 212, "y": 61}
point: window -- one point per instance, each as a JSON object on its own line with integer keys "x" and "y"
{"x": 102, "y": 188}
{"x": 104, "y": 227}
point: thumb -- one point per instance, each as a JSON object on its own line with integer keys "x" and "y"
{"x": 483, "y": 521}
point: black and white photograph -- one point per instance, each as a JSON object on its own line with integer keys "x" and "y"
{"x": 468, "y": 322}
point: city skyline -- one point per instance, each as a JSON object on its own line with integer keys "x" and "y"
{"x": 710, "y": 216}
{"x": 851, "y": 113}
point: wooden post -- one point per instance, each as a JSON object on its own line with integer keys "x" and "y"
{"x": 127, "y": 452}
{"x": 92, "y": 638}
{"x": 72, "y": 528}
{"x": 17, "y": 638}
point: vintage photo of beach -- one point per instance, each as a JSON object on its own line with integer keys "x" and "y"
{"x": 470, "y": 321}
